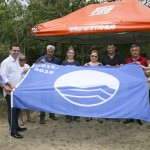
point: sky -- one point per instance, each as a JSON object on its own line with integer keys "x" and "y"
{"x": 24, "y": 2}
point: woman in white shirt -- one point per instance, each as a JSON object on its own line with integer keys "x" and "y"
{"x": 24, "y": 66}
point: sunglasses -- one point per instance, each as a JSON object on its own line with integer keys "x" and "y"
{"x": 94, "y": 56}
{"x": 22, "y": 59}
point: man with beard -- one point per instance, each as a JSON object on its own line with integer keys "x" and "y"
{"x": 112, "y": 58}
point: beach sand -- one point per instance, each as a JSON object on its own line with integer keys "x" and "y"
{"x": 59, "y": 135}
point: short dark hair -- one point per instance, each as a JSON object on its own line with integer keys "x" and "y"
{"x": 14, "y": 45}
{"x": 109, "y": 44}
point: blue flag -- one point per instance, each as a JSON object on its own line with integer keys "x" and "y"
{"x": 103, "y": 92}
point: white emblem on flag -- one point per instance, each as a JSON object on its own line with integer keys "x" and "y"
{"x": 87, "y": 88}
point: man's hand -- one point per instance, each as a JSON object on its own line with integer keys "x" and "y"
{"x": 137, "y": 62}
{"x": 7, "y": 89}
{"x": 117, "y": 66}
{"x": 10, "y": 85}
{"x": 42, "y": 61}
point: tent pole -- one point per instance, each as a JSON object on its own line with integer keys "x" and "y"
{"x": 82, "y": 61}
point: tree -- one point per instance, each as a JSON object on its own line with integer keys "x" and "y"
{"x": 18, "y": 19}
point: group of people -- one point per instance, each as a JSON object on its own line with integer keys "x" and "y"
{"x": 14, "y": 68}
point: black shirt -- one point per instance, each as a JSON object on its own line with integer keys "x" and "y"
{"x": 116, "y": 60}
{"x": 74, "y": 63}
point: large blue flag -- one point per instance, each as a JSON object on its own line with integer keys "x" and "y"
{"x": 105, "y": 92}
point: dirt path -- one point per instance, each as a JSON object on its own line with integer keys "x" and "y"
{"x": 58, "y": 135}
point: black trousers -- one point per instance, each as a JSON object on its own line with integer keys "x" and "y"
{"x": 13, "y": 115}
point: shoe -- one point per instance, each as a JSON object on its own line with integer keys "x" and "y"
{"x": 68, "y": 120}
{"x": 100, "y": 120}
{"x": 21, "y": 129}
{"x": 128, "y": 121}
{"x": 140, "y": 122}
{"x": 16, "y": 135}
{"x": 88, "y": 119}
{"x": 42, "y": 121}
{"x": 52, "y": 116}
{"x": 77, "y": 120}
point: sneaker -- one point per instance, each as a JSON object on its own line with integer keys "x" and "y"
{"x": 128, "y": 121}
{"x": 42, "y": 121}
{"x": 140, "y": 122}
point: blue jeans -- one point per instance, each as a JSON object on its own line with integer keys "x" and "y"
{"x": 13, "y": 115}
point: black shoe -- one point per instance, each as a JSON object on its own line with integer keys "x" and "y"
{"x": 52, "y": 116}
{"x": 128, "y": 121}
{"x": 21, "y": 129}
{"x": 42, "y": 121}
{"x": 140, "y": 122}
{"x": 16, "y": 135}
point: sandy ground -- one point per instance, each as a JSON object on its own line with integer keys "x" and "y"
{"x": 58, "y": 135}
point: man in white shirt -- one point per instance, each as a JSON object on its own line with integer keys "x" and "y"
{"x": 11, "y": 74}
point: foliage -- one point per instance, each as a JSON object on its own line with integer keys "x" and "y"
{"x": 17, "y": 20}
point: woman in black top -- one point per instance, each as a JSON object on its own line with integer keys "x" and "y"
{"x": 70, "y": 61}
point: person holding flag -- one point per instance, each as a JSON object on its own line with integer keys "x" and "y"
{"x": 11, "y": 74}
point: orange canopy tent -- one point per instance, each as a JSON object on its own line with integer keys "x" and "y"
{"x": 120, "y": 22}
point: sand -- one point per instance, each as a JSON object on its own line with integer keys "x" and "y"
{"x": 59, "y": 135}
